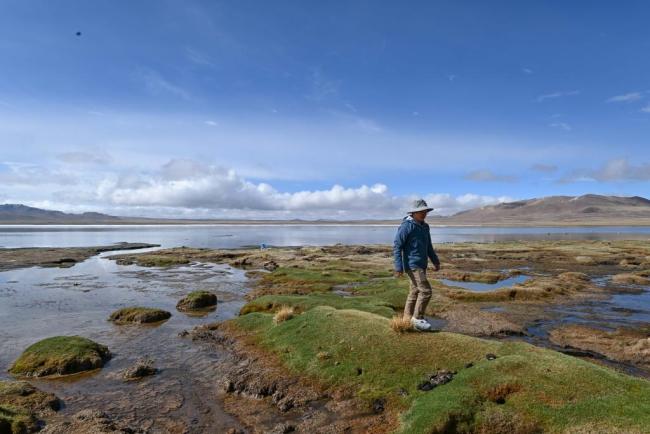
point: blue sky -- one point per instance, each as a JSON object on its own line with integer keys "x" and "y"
{"x": 335, "y": 109}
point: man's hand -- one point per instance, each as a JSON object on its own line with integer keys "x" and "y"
{"x": 399, "y": 274}
{"x": 436, "y": 267}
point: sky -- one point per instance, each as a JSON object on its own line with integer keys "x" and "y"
{"x": 310, "y": 109}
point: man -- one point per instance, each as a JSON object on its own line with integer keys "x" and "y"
{"x": 412, "y": 250}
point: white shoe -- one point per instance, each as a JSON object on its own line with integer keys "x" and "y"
{"x": 420, "y": 324}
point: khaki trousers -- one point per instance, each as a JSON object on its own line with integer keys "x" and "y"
{"x": 419, "y": 295}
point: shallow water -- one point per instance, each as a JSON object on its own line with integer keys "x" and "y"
{"x": 486, "y": 287}
{"x": 36, "y": 303}
{"x": 230, "y": 236}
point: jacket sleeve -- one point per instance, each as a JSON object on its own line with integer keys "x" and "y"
{"x": 398, "y": 247}
{"x": 432, "y": 253}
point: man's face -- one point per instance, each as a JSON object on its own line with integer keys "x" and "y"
{"x": 419, "y": 216}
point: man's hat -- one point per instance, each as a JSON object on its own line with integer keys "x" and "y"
{"x": 420, "y": 205}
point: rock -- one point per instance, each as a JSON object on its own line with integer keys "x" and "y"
{"x": 139, "y": 315}
{"x": 270, "y": 266}
{"x": 490, "y": 356}
{"x": 378, "y": 405}
{"x": 469, "y": 365}
{"x": 60, "y": 355}
{"x": 425, "y": 386}
{"x": 197, "y": 300}
{"x": 441, "y": 377}
{"x": 142, "y": 368}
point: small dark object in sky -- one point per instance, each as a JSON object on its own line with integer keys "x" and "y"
{"x": 78, "y": 33}
{"x": 490, "y": 356}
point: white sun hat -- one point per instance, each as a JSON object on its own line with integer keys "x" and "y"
{"x": 420, "y": 205}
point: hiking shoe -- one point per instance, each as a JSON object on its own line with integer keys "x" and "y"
{"x": 420, "y": 324}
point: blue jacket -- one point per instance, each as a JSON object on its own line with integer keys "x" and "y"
{"x": 412, "y": 246}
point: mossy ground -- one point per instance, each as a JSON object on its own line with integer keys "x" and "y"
{"x": 139, "y": 315}
{"x": 22, "y": 405}
{"x": 197, "y": 300}
{"x": 540, "y": 388}
{"x": 60, "y": 355}
{"x": 344, "y": 299}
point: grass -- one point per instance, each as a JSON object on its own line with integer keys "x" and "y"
{"x": 197, "y": 300}
{"x": 284, "y": 314}
{"x": 399, "y": 324}
{"x": 301, "y": 303}
{"x": 139, "y": 315}
{"x": 154, "y": 260}
{"x": 19, "y": 401}
{"x": 286, "y": 280}
{"x": 540, "y": 388}
{"x": 60, "y": 355}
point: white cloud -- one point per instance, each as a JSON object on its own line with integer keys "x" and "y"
{"x": 562, "y": 125}
{"x": 488, "y": 176}
{"x": 646, "y": 109}
{"x": 554, "y": 95}
{"x": 544, "y": 168}
{"x": 211, "y": 123}
{"x": 21, "y": 174}
{"x": 628, "y": 97}
{"x": 527, "y": 71}
{"x": 446, "y": 204}
{"x": 192, "y": 189}
{"x": 619, "y": 169}
{"x": 157, "y": 85}
{"x": 82, "y": 157}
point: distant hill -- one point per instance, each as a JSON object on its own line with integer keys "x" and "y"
{"x": 589, "y": 209}
{"x": 562, "y": 210}
{"x": 15, "y": 214}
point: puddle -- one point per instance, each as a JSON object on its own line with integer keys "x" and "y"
{"x": 485, "y": 287}
{"x": 42, "y": 302}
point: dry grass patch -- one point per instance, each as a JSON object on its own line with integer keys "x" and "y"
{"x": 399, "y": 324}
{"x": 284, "y": 314}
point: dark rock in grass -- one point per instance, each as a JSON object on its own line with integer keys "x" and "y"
{"x": 60, "y": 355}
{"x": 435, "y": 380}
{"x": 139, "y": 315}
{"x": 22, "y": 406}
{"x": 197, "y": 300}
{"x": 469, "y": 365}
{"x": 441, "y": 377}
{"x": 490, "y": 356}
{"x": 143, "y": 368}
{"x": 270, "y": 266}
{"x": 378, "y": 405}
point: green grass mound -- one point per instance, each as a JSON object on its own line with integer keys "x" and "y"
{"x": 21, "y": 406}
{"x": 271, "y": 303}
{"x": 153, "y": 260}
{"x": 525, "y": 389}
{"x": 60, "y": 355}
{"x": 287, "y": 280}
{"x": 197, "y": 300}
{"x": 139, "y": 315}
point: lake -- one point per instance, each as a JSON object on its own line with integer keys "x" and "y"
{"x": 231, "y": 236}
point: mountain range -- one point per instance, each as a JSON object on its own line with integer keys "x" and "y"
{"x": 589, "y": 209}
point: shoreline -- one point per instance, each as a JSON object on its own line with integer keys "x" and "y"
{"x": 338, "y": 339}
